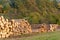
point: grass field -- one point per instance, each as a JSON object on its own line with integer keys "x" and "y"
{"x": 38, "y": 36}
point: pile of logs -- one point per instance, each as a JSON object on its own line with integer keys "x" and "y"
{"x": 43, "y": 28}
{"x": 48, "y": 28}
{"x": 14, "y": 28}
{"x": 53, "y": 27}
{"x": 21, "y": 27}
{"x": 11, "y": 27}
{"x": 4, "y": 28}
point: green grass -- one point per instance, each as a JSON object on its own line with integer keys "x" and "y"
{"x": 38, "y": 36}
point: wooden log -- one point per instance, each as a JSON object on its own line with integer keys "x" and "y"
{"x": 3, "y": 36}
{"x": 0, "y": 36}
{"x": 7, "y": 35}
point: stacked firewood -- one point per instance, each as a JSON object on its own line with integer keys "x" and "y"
{"x": 21, "y": 27}
{"x": 43, "y": 28}
{"x": 48, "y": 28}
{"x": 12, "y": 27}
{"x": 53, "y": 27}
{"x": 4, "y": 28}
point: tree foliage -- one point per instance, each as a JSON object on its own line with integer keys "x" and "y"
{"x": 36, "y": 11}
